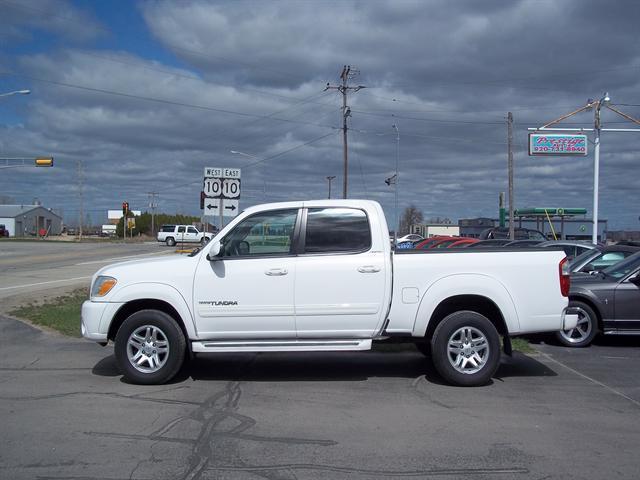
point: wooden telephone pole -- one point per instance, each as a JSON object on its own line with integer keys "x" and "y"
{"x": 345, "y": 76}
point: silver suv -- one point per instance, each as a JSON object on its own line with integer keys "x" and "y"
{"x": 172, "y": 234}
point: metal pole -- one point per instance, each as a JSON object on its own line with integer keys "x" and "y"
{"x": 397, "y": 223}
{"x": 510, "y": 168}
{"x": 330, "y": 178}
{"x": 596, "y": 173}
{"x": 221, "y": 215}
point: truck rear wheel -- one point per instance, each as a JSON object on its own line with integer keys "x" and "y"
{"x": 466, "y": 349}
{"x": 170, "y": 241}
{"x": 149, "y": 347}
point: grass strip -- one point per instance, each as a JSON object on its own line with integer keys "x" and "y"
{"x": 60, "y": 313}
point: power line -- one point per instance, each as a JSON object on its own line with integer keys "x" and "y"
{"x": 159, "y": 100}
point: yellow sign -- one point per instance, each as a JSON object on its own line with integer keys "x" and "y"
{"x": 44, "y": 162}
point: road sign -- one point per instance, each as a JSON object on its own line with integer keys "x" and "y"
{"x": 211, "y": 206}
{"x": 217, "y": 172}
{"x": 221, "y": 182}
{"x": 212, "y": 187}
{"x": 563, "y": 144}
{"x": 230, "y": 207}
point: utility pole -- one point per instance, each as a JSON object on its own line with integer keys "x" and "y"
{"x": 80, "y": 199}
{"x": 331, "y": 177}
{"x": 152, "y": 206}
{"x": 345, "y": 76}
{"x": 512, "y": 234}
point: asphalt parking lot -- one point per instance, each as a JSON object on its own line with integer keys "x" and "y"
{"x": 66, "y": 413}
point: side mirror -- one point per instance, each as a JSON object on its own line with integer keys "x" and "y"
{"x": 635, "y": 279}
{"x": 214, "y": 251}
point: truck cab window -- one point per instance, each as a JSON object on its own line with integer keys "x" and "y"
{"x": 266, "y": 233}
{"x": 337, "y": 230}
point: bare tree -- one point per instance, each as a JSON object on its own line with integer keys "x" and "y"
{"x": 410, "y": 216}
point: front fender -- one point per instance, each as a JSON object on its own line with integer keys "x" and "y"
{"x": 162, "y": 292}
{"x": 465, "y": 284}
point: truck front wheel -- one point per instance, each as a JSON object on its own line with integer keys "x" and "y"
{"x": 149, "y": 347}
{"x": 466, "y": 349}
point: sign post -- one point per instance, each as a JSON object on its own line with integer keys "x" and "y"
{"x": 221, "y": 188}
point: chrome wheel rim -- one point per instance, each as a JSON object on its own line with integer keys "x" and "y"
{"x": 583, "y": 328}
{"x": 148, "y": 349}
{"x": 468, "y": 350}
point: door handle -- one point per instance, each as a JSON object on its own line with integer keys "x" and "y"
{"x": 368, "y": 269}
{"x": 275, "y": 272}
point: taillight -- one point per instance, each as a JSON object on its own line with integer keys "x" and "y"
{"x": 565, "y": 279}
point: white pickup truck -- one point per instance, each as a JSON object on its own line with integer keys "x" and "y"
{"x": 321, "y": 276}
{"x": 172, "y": 234}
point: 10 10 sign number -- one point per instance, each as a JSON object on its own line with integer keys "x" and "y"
{"x": 222, "y": 187}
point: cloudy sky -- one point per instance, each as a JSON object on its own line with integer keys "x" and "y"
{"x": 146, "y": 94}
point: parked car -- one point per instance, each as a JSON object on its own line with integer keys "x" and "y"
{"x": 493, "y": 242}
{"x": 522, "y": 243}
{"x": 520, "y": 233}
{"x": 601, "y": 257}
{"x": 430, "y": 241}
{"x": 172, "y": 234}
{"x": 412, "y": 237}
{"x": 3, "y": 231}
{"x": 572, "y": 248}
{"x": 607, "y": 302}
{"x": 463, "y": 242}
{"x": 444, "y": 243}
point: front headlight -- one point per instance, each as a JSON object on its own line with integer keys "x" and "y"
{"x": 102, "y": 286}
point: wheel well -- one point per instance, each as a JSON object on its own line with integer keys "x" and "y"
{"x": 593, "y": 306}
{"x": 474, "y": 303}
{"x": 144, "y": 304}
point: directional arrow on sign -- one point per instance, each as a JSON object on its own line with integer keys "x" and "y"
{"x": 230, "y": 208}
{"x": 211, "y": 206}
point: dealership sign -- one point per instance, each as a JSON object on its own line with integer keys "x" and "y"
{"x": 565, "y": 144}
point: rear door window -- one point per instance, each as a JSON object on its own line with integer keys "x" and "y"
{"x": 337, "y": 230}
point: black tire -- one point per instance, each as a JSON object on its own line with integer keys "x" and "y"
{"x": 170, "y": 241}
{"x": 585, "y": 331}
{"x": 166, "y": 331}
{"x": 483, "y": 359}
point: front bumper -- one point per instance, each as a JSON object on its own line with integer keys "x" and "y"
{"x": 96, "y": 318}
{"x": 569, "y": 320}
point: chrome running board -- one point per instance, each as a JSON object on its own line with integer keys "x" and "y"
{"x": 280, "y": 345}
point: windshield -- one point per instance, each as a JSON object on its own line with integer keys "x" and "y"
{"x": 624, "y": 268}
{"x": 583, "y": 258}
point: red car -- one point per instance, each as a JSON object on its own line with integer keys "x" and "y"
{"x": 463, "y": 242}
{"x": 430, "y": 241}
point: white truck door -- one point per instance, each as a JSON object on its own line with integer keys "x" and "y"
{"x": 340, "y": 279}
{"x": 248, "y": 292}
{"x": 191, "y": 235}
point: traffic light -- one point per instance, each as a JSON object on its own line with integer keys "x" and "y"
{"x": 202, "y": 200}
{"x": 44, "y": 162}
{"x": 125, "y": 208}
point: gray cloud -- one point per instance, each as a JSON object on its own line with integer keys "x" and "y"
{"x": 249, "y": 76}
